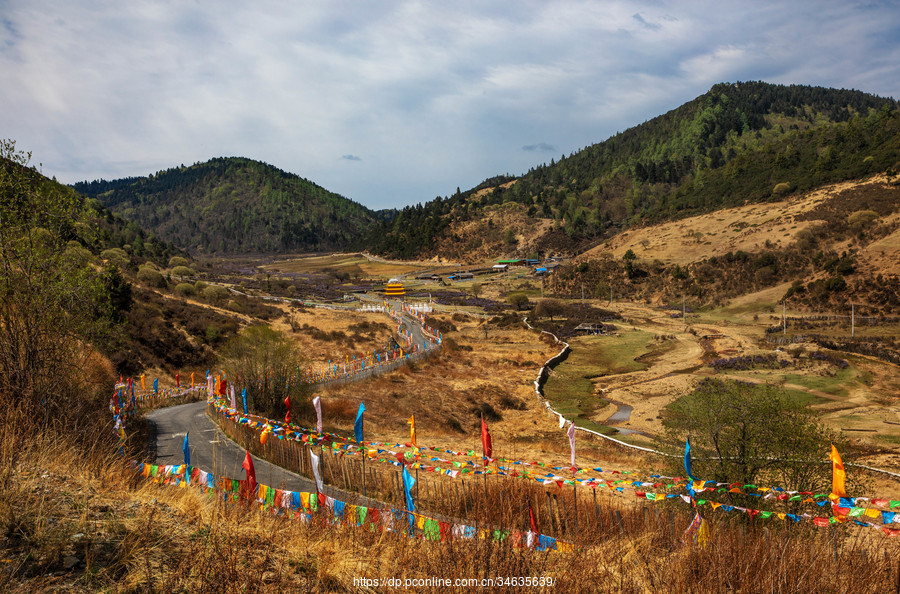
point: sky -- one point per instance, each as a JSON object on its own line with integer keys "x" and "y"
{"x": 394, "y": 103}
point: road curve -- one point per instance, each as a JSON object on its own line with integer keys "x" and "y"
{"x": 211, "y": 449}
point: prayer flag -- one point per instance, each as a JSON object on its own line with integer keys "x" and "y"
{"x": 571, "y": 434}
{"x": 177, "y": 380}
{"x": 534, "y": 526}
{"x": 251, "y": 473}
{"x": 187, "y": 452}
{"x": 244, "y": 398}
{"x": 233, "y": 399}
{"x": 412, "y": 430}
{"x": 695, "y": 524}
{"x": 485, "y": 439}
{"x": 156, "y": 386}
{"x": 315, "y": 466}
{"x": 687, "y": 458}
{"x": 837, "y": 473}
{"x": 358, "y": 425}
{"x": 408, "y": 482}
{"x": 287, "y": 403}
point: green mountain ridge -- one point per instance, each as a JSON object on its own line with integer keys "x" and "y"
{"x": 233, "y": 205}
{"x": 737, "y": 143}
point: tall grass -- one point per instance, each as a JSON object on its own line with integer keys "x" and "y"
{"x": 59, "y": 501}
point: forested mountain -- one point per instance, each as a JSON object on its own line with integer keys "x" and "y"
{"x": 737, "y": 143}
{"x": 235, "y": 205}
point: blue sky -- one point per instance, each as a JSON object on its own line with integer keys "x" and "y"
{"x": 393, "y": 103}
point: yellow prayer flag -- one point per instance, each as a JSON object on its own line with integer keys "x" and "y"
{"x": 872, "y": 512}
{"x": 838, "y": 476}
{"x": 412, "y": 430}
{"x": 143, "y": 386}
{"x": 703, "y": 533}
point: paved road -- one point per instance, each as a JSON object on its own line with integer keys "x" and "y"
{"x": 211, "y": 450}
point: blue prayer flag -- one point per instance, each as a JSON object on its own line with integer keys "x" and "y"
{"x": 186, "y": 450}
{"x": 244, "y": 398}
{"x": 408, "y": 482}
{"x": 687, "y": 459}
{"x": 358, "y": 426}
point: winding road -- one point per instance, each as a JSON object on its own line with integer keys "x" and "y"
{"x": 210, "y": 448}
{"x": 212, "y": 451}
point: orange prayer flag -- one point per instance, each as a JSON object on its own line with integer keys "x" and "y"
{"x": 412, "y": 430}
{"x": 838, "y": 476}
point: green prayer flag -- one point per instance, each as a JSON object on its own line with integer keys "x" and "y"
{"x": 432, "y": 529}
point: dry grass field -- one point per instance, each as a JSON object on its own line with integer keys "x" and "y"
{"x": 355, "y": 265}
{"x": 749, "y": 228}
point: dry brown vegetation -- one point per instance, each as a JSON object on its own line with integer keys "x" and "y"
{"x": 83, "y": 522}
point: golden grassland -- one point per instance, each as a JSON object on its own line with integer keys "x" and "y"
{"x": 352, "y": 264}
{"x": 80, "y": 520}
{"x": 749, "y": 228}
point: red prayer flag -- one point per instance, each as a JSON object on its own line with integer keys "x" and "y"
{"x": 534, "y": 526}
{"x": 251, "y": 473}
{"x": 485, "y": 439}
{"x": 287, "y": 403}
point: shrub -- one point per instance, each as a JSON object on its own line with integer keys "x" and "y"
{"x": 519, "y": 300}
{"x": 742, "y": 433}
{"x": 117, "y": 256}
{"x": 183, "y": 271}
{"x": 215, "y": 293}
{"x": 178, "y": 261}
{"x": 151, "y": 277}
{"x": 266, "y": 362}
{"x": 185, "y": 289}
{"x": 782, "y": 189}
{"x": 861, "y": 219}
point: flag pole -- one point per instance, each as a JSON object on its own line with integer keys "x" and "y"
{"x": 485, "y": 466}
{"x": 364, "y": 455}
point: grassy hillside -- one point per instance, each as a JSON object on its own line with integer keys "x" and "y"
{"x": 738, "y": 143}
{"x": 235, "y": 206}
{"x": 826, "y": 248}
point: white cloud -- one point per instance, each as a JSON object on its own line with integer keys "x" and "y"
{"x": 430, "y": 96}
